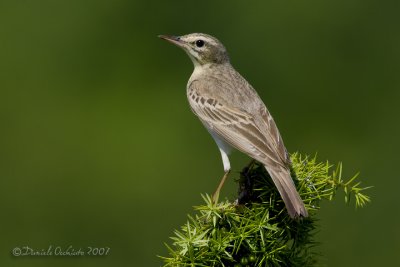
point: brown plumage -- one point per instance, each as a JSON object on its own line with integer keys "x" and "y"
{"x": 234, "y": 114}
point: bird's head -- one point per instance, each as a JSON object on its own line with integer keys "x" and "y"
{"x": 201, "y": 48}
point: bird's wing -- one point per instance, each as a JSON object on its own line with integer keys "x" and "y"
{"x": 237, "y": 127}
{"x": 273, "y": 135}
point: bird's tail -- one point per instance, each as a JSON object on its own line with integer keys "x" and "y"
{"x": 283, "y": 181}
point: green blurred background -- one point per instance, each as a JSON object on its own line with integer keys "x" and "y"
{"x": 98, "y": 146}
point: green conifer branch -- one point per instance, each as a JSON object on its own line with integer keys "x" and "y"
{"x": 256, "y": 230}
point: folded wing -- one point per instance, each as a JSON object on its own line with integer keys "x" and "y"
{"x": 239, "y": 128}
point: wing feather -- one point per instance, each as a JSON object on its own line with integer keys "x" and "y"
{"x": 236, "y": 127}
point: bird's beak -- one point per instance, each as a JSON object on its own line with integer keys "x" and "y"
{"x": 176, "y": 40}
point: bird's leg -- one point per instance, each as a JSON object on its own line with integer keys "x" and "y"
{"x": 215, "y": 196}
{"x": 227, "y": 169}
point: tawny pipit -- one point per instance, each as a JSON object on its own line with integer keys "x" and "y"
{"x": 234, "y": 114}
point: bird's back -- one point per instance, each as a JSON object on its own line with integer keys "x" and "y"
{"x": 224, "y": 83}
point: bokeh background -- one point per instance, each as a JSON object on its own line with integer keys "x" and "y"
{"x": 98, "y": 146}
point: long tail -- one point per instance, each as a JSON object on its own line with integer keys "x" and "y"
{"x": 283, "y": 181}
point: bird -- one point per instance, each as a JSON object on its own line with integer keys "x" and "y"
{"x": 235, "y": 116}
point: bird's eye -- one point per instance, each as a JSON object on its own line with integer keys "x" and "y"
{"x": 199, "y": 43}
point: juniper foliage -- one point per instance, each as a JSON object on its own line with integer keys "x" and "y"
{"x": 256, "y": 230}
